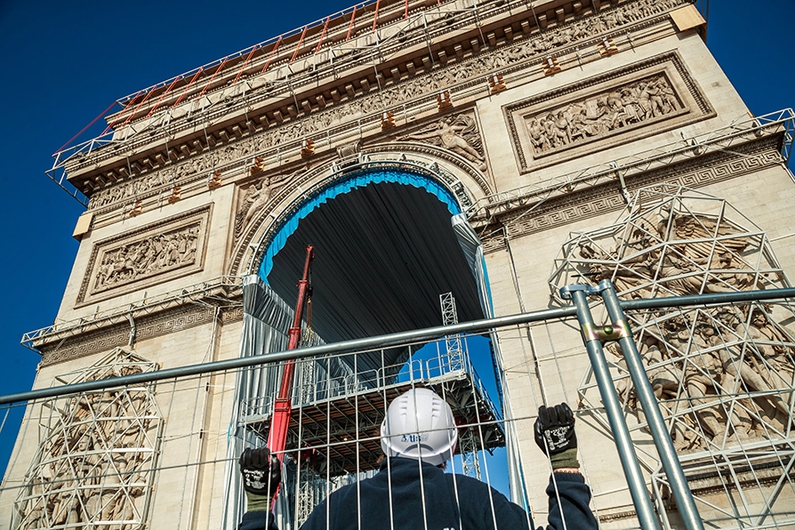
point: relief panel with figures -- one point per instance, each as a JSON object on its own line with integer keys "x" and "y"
{"x": 643, "y": 99}
{"x": 723, "y": 374}
{"x": 168, "y": 249}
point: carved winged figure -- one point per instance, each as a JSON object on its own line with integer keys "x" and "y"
{"x": 255, "y": 197}
{"x": 457, "y": 134}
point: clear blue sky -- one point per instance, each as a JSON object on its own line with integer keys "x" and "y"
{"x": 63, "y": 65}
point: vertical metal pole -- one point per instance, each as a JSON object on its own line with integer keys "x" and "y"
{"x": 648, "y": 401}
{"x": 626, "y": 452}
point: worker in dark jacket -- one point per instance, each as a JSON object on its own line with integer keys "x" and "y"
{"x": 412, "y": 491}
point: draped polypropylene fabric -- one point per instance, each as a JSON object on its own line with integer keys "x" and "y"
{"x": 346, "y": 186}
{"x": 473, "y": 251}
{"x": 266, "y": 322}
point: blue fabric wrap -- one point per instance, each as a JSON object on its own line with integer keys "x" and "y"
{"x": 345, "y": 186}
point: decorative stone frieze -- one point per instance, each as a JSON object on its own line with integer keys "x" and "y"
{"x": 456, "y": 133}
{"x": 623, "y": 105}
{"x": 414, "y": 91}
{"x": 162, "y": 251}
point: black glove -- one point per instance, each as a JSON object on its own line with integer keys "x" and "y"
{"x": 554, "y": 434}
{"x": 261, "y": 477}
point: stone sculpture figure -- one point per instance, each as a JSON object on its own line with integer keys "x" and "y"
{"x": 255, "y": 197}
{"x": 723, "y": 375}
{"x": 457, "y": 134}
{"x": 96, "y": 457}
{"x": 600, "y": 114}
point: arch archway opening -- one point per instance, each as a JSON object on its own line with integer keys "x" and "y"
{"x": 384, "y": 253}
{"x": 386, "y": 248}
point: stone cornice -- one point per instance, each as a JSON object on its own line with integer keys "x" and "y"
{"x": 459, "y": 76}
{"x": 113, "y": 333}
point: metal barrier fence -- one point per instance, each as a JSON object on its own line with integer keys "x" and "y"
{"x": 108, "y": 441}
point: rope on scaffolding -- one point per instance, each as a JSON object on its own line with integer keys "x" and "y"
{"x": 350, "y": 26}
{"x": 322, "y": 34}
{"x": 375, "y": 18}
{"x": 164, "y": 94}
{"x": 217, "y": 70}
{"x": 84, "y": 129}
{"x": 270, "y": 57}
{"x": 126, "y": 105}
{"x": 298, "y": 46}
{"x": 132, "y": 99}
{"x": 245, "y": 63}
{"x": 135, "y": 110}
{"x": 184, "y": 92}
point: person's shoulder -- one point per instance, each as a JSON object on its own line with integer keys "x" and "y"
{"x": 342, "y": 492}
{"x": 463, "y": 482}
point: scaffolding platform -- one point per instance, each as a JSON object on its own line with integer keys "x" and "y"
{"x": 341, "y": 435}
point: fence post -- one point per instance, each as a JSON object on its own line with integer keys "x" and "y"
{"x": 578, "y": 293}
{"x": 648, "y": 402}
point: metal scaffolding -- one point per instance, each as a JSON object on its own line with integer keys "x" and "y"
{"x": 722, "y": 375}
{"x": 467, "y": 439}
{"x": 283, "y": 66}
{"x": 96, "y": 453}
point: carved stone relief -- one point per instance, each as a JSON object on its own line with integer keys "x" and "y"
{"x": 455, "y": 133}
{"x": 349, "y": 149}
{"x": 255, "y": 196}
{"x": 97, "y": 454}
{"x": 643, "y": 99}
{"x": 166, "y": 250}
{"x": 468, "y": 72}
{"x": 599, "y": 115}
{"x": 723, "y": 375}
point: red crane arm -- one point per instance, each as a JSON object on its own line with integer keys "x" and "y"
{"x": 277, "y": 437}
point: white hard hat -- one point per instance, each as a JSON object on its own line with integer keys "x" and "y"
{"x": 419, "y": 425}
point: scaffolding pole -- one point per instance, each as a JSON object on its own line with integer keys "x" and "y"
{"x": 470, "y": 463}
{"x": 578, "y": 294}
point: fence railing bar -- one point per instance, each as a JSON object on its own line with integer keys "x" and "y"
{"x": 389, "y": 340}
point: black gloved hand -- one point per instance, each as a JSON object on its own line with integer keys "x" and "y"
{"x": 261, "y": 477}
{"x": 554, "y": 434}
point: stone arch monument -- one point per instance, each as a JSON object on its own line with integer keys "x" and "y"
{"x": 572, "y": 140}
